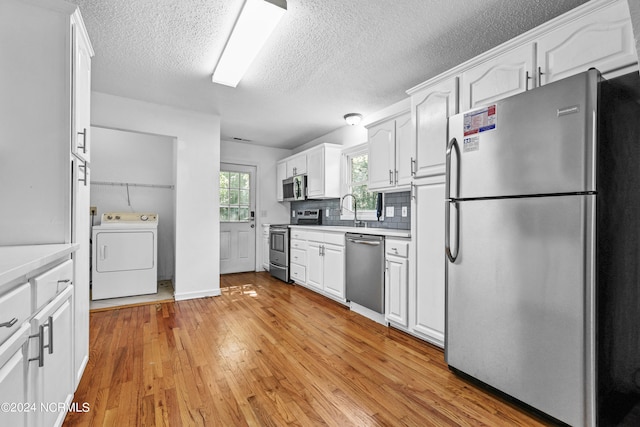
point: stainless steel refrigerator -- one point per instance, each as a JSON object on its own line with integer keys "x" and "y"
{"x": 527, "y": 222}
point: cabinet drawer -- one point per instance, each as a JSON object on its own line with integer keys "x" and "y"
{"x": 316, "y": 236}
{"x": 298, "y": 256}
{"x": 334, "y": 238}
{"x": 15, "y": 308}
{"x": 298, "y": 244}
{"x": 298, "y": 234}
{"x": 49, "y": 284}
{"x": 298, "y": 273}
{"x": 397, "y": 247}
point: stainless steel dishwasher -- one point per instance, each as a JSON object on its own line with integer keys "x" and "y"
{"x": 365, "y": 270}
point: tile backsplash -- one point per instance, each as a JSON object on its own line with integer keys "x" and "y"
{"x": 397, "y": 200}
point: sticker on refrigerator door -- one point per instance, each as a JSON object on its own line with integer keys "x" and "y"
{"x": 471, "y": 143}
{"x": 481, "y": 120}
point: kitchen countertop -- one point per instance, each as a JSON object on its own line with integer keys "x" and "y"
{"x": 387, "y": 232}
{"x": 16, "y": 261}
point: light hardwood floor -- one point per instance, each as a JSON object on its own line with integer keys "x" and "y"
{"x": 270, "y": 354}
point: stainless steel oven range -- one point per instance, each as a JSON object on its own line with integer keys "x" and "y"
{"x": 279, "y": 251}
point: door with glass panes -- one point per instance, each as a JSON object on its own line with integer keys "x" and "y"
{"x": 237, "y": 220}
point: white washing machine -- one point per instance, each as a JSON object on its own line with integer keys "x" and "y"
{"x": 125, "y": 254}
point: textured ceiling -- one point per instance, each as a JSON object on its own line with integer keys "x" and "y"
{"x": 326, "y": 58}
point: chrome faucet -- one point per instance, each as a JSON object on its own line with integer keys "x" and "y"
{"x": 355, "y": 208}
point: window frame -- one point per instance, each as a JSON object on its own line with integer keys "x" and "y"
{"x": 346, "y": 185}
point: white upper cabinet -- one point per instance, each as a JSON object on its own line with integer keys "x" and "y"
{"x": 497, "y": 78}
{"x": 321, "y": 164}
{"x": 598, "y": 35}
{"x": 431, "y": 107}
{"x": 404, "y": 151}
{"x": 82, "y": 53}
{"x": 390, "y": 153}
{"x": 281, "y": 175}
{"x": 602, "y": 39}
{"x": 323, "y": 171}
{"x": 297, "y": 165}
{"x": 382, "y": 155}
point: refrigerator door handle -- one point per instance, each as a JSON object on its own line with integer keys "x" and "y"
{"x": 447, "y": 230}
{"x": 453, "y": 144}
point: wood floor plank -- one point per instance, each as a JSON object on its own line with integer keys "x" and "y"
{"x": 265, "y": 353}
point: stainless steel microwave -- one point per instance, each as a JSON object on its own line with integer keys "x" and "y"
{"x": 294, "y": 188}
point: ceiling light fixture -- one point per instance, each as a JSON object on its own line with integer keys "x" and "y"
{"x": 353, "y": 118}
{"x": 256, "y": 21}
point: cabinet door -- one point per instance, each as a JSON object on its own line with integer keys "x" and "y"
{"x": 431, "y": 108}
{"x": 397, "y": 281}
{"x": 334, "y": 270}
{"x": 404, "y": 151}
{"x": 315, "y": 173}
{"x": 603, "y": 39}
{"x": 265, "y": 253}
{"x": 297, "y": 165}
{"x": 382, "y": 155}
{"x": 52, "y": 382}
{"x": 80, "y": 234}
{"x": 81, "y": 94}
{"x": 281, "y": 174}
{"x": 314, "y": 265}
{"x": 498, "y": 78}
{"x": 13, "y": 387}
{"x": 430, "y": 285}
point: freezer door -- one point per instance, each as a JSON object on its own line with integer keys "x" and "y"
{"x": 538, "y": 142}
{"x": 519, "y": 305}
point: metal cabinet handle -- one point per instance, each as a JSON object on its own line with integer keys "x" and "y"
{"x": 413, "y": 166}
{"x": 396, "y": 176}
{"x": 390, "y": 176}
{"x": 41, "y": 346}
{"x": 540, "y": 74}
{"x": 84, "y": 170}
{"x": 84, "y": 140}
{"x": 9, "y": 324}
{"x": 527, "y": 78}
{"x": 50, "y": 325}
{"x": 412, "y": 193}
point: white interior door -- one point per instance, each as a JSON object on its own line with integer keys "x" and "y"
{"x": 237, "y": 220}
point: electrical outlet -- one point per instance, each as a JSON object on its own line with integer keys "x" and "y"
{"x": 404, "y": 211}
{"x": 93, "y": 210}
{"x": 293, "y": 213}
{"x": 390, "y": 212}
{"x": 327, "y": 212}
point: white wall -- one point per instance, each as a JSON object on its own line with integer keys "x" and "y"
{"x": 345, "y": 135}
{"x": 197, "y": 267}
{"x": 136, "y": 158}
{"x": 268, "y": 209}
{"x": 349, "y": 136}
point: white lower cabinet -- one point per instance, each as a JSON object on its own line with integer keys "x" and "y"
{"x": 50, "y": 373}
{"x": 427, "y": 293}
{"x": 13, "y": 384}
{"x": 396, "y": 281}
{"x": 265, "y": 247}
{"x": 325, "y": 263}
{"x": 37, "y": 339}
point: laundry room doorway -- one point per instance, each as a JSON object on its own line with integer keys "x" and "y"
{"x": 237, "y": 218}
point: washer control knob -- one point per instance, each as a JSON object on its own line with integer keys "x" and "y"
{"x": 143, "y": 217}
{"x": 117, "y": 216}
{"x": 109, "y": 217}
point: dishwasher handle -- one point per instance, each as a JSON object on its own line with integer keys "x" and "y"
{"x": 365, "y": 242}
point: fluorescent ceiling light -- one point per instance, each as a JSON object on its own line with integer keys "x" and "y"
{"x": 257, "y": 20}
